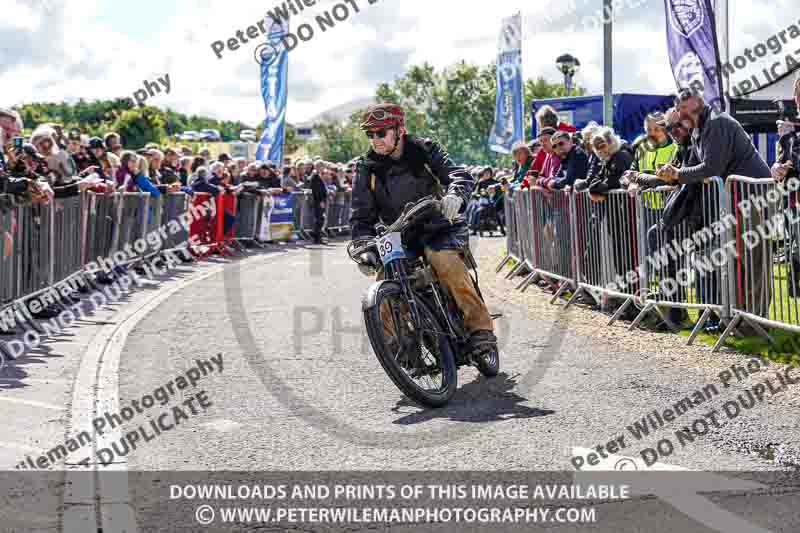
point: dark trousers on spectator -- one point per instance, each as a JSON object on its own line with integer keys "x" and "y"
{"x": 755, "y": 273}
{"x": 656, "y": 240}
{"x": 319, "y": 222}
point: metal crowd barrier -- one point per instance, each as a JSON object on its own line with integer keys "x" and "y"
{"x": 764, "y": 275}
{"x": 526, "y": 233}
{"x": 175, "y": 205}
{"x": 100, "y": 219}
{"x": 512, "y": 241}
{"x": 67, "y": 238}
{"x": 249, "y": 210}
{"x": 9, "y": 255}
{"x": 307, "y": 214}
{"x": 45, "y": 245}
{"x": 736, "y": 252}
{"x": 264, "y": 230}
{"x": 549, "y": 245}
{"x": 608, "y": 248}
{"x": 133, "y": 223}
{"x": 518, "y": 223}
{"x": 338, "y": 212}
{"x": 684, "y": 265}
{"x": 302, "y": 217}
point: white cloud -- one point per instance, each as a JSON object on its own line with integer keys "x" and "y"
{"x": 59, "y": 52}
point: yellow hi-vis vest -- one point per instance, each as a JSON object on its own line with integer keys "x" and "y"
{"x": 649, "y": 161}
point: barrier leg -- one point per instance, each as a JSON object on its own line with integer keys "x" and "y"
{"x": 24, "y": 318}
{"x": 735, "y": 322}
{"x": 527, "y": 281}
{"x": 575, "y": 295}
{"x": 518, "y": 268}
{"x": 760, "y": 330}
{"x": 561, "y": 290}
{"x": 621, "y": 310}
{"x": 502, "y": 264}
{"x": 670, "y": 324}
{"x": 641, "y": 315}
{"x": 699, "y": 326}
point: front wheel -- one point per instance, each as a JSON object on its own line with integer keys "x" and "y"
{"x": 417, "y": 357}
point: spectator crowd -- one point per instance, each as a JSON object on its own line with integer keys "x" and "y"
{"x": 680, "y": 147}
{"x": 51, "y": 163}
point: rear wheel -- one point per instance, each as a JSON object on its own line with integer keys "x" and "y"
{"x": 418, "y": 358}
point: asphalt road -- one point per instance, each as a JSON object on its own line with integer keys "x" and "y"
{"x": 300, "y": 390}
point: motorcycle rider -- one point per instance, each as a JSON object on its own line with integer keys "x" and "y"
{"x": 400, "y": 168}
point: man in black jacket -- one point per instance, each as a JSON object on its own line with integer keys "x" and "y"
{"x": 574, "y": 162}
{"x": 319, "y": 201}
{"x": 724, "y": 149}
{"x": 400, "y": 168}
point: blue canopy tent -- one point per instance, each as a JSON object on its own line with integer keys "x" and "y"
{"x": 630, "y": 110}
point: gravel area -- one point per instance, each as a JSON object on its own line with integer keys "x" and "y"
{"x": 770, "y": 432}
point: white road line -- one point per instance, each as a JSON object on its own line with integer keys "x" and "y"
{"x": 21, "y": 447}
{"x": 99, "y": 370}
{"x": 43, "y": 381}
{"x": 33, "y": 403}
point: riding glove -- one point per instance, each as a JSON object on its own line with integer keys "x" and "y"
{"x": 450, "y": 206}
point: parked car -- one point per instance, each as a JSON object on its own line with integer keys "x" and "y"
{"x": 210, "y": 135}
{"x": 190, "y": 135}
{"x": 248, "y": 135}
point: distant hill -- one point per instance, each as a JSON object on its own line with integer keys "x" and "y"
{"x": 338, "y": 113}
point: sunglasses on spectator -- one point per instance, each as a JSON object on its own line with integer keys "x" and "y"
{"x": 380, "y": 134}
{"x": 559, "y": 144}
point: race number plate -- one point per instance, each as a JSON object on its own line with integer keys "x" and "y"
{"x": 390, "y": 247}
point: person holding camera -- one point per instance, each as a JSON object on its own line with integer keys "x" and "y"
{"x": 788, "y": 162}
{"x": 10, "y": 129}
{"x": 786, "y": 167}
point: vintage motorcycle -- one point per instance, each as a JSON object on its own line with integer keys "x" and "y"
{"x": 415, "y": 329}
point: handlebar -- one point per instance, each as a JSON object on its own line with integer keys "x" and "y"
{"x": 409, "y": 216}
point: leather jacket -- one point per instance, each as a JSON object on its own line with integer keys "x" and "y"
{"x": 398, "y": 182}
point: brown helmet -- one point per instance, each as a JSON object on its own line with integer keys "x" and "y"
{"x": 384, "y": 116}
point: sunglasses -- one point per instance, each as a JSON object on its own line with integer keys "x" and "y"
{"x": 380, "y": 134}
{"x": 559, "y": 144}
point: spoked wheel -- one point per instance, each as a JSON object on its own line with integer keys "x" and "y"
{"x": 418, "y": 358}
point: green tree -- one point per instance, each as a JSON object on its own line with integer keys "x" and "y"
{"x": 340, "y": 141}
{"x": 98, "y": 117}
{"x": 140, "y": 126}
{"x": 456, "y": 106}
{"x": 291, "y": 142}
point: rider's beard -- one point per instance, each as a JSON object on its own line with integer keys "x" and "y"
{"x": 388, "y": 146}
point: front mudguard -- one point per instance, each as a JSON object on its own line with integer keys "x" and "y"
{"x": 368, "y": 301}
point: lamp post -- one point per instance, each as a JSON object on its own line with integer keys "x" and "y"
{"x": 568, "y": 65}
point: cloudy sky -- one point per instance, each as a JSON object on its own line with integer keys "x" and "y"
{"x": 55, "y": 50}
